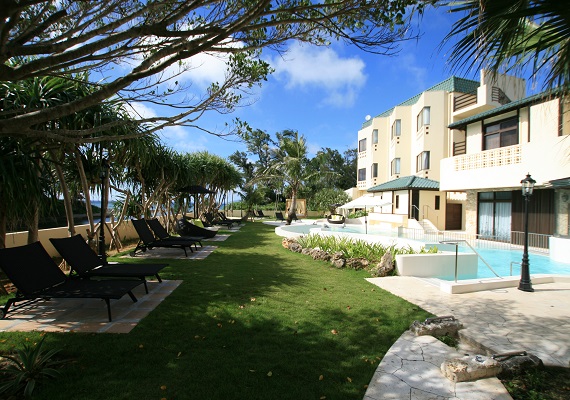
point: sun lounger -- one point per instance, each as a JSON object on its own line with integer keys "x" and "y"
{"x": 161, "y": 233}
{"x": 210, "y": 220}
{"x": 147, "y": 241}
{"x": 36, "y": 276}
{"x": 86, "y": 264}
{"x": 279, "y": 216}
{"x": 186, "y": 228}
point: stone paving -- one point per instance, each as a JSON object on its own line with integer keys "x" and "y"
{"x": 88, "y": 315}
{"x": 495, "y": 321}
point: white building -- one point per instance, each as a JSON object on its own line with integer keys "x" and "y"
{"x": 473, "y": 142}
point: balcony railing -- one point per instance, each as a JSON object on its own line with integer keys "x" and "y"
{"x": 459, "y": 148}
{"x": 499, "y": 96}
{"x": 499, "y": 157}
{"x": 464, "y": 100}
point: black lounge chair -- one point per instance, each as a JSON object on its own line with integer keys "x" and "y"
{"x": 36, "y": 276}
{"x": 147, "y": 241}
{"x": 210, "y": 220}
{"x": 279, "y": 216}
{"x": 260, "y": 214}
{"x": 86, "y": 264}
{"x": 186, "y": 228}
{"x": 161, "y": 233}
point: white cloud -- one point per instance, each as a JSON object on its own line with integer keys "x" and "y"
{"x": 409, "y": 66}
{"x": 181, "y": 140}
{"x": 311, "y": 67}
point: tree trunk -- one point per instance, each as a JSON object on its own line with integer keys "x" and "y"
{"x": 33, "y": 225}
{"x": 86, "y": 192}
{"x": 3, "y": 220}
{"x": 65, "y": 193}
{"x": 293, "y": 208}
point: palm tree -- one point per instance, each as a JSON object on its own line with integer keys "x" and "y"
{"x": 289, "y": 165}
{"x": 506, "y": 35}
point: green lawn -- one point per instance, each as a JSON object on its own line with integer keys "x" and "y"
{"x": 252, "y": 321}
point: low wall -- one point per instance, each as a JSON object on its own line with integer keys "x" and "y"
{"x": 126, "y": 231}
{"x": 559, "y": 249}
{"x": 441, "y": 265}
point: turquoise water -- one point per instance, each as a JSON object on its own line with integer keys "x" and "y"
{"x": 499, "y": 260}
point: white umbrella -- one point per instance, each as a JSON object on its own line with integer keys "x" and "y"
{"x": 366, "y": 201}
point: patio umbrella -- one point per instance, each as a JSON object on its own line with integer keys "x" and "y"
{"x": 364, "y": 202}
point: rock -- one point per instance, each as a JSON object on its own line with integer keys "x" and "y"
{"x": 470, "y": 368}
{"x": 306, "y": 251}
{"x": 357, "y": 263}
{"x": 384, "y": 267}
{"x": 296, "y": 247}
{"x": 337, "y": 256}
{"x": 287, "y": 242}
{"x": 320, "y": 255}
{"x": 515, "y": 363}
{"x": 438, "y": 326}
{"x": 338, "y": 263}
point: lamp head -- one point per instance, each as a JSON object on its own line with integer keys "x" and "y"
{"x": 527, "y": 185}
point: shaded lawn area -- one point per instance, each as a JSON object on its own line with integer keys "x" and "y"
{"x": 252, "y": 321}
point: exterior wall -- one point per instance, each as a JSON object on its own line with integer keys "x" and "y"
{"x": 375, "y": 153}
{"x": 427, "y": 208}
{"x": 400, "y": 145}
{"x": 471, "y": 212}
{"x": 126, "y": 231}
{"x": 545, "y": 157}
{"x": 562, "y": 200}
{"x": 404, "y": 202}
{"x": 432, "y": 137}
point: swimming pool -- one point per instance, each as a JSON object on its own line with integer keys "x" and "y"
{"x": 499, "y": 259}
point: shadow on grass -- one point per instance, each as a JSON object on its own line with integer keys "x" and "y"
{"x": 252, "y": 321}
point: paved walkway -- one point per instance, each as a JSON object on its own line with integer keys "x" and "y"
{"x": 496, "y": 321}
{"x": 88, "y": 315}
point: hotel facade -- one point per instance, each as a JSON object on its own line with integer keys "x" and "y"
{"x": 452, "y": 158}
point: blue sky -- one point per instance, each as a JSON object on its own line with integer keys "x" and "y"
{"x": 324, "y": 93}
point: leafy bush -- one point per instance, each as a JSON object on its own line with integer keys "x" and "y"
{"x": 26, "y": 368}
{"x": 358, "y": 214}
{"x": 354, "y": 248}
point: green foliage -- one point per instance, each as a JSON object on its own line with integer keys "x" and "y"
{"x": 323, "y": 199}
{"x": 354, "y": 248}
{"x": 358, "y": 214}
{"x": 551, "y": 383}
{"x": 27, "y": 368}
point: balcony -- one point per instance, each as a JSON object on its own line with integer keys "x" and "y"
{"x": 459, "y": 148}
{"x": 499, "y": 157}
{"x": 464, "y": 100}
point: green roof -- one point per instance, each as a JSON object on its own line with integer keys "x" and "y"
{"x": 453, "y": 84}
{"x": 513, "y": 105}
{"x": 406, "y": 182}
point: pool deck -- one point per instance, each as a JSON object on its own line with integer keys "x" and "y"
{"x": 495, "y": 321}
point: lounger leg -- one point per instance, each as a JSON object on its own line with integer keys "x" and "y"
{"x": 158, "y": 277}
{"x": 132, "y": 296}
{"x": 145, "y": 285}
{"x": 108, "y": 308}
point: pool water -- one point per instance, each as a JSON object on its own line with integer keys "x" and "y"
{"x": 499, "y": 260}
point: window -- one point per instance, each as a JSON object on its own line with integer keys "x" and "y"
{"x": 395, "y": 166}
{"x": 362, "y": 145}
{"x": 437, "y": 201}
{"x": 422, "y": 161}
{"x": 397, "y": 201}
{"x": 375, "y": 170}
{"x": 494, "y": 215}
{"x": 423, "y": 117}
{"x": 375, "y": 136}
{"x": 396, "y": 128}
{"x": 501, "y": 134}
{"x": 362, "y": 174}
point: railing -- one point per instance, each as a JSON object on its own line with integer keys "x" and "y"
{"x": 538, "y": 243}
{"x": 499, "y": 96}
{"x": 464, "y": 100}
{"x": 489, "y": 158}
{"x": 459, "y": 148}
{"x": 456, "y": 243}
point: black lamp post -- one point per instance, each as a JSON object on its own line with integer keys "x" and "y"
{"x": 527, "y": 188}
{"x": 103, "y": 175}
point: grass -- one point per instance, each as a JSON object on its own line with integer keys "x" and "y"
{"x": 551, "y": 383}
{"x": 252, "y": 321}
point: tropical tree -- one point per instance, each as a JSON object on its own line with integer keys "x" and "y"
{"x": 157, "y": 42}
{"x": 289, "y": 165}
{"x": 504, "y": 36}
